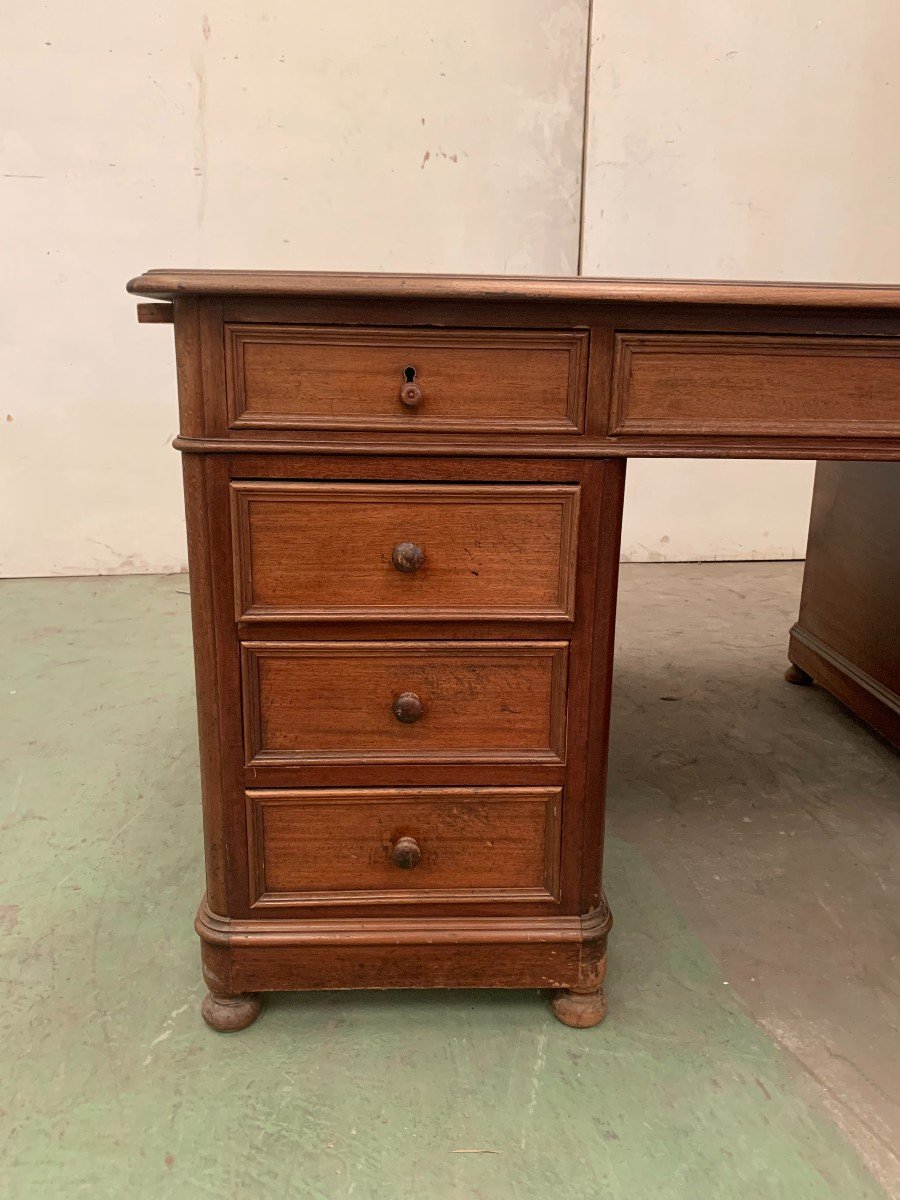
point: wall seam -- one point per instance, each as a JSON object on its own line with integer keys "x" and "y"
{"x": 584, "y": 134}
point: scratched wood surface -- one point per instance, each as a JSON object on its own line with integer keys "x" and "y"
{"x": 295, "y": 377}
{"x": 327, "y": 550}
{"x": 313, "y": 846}
{"x": 491, "y": 700}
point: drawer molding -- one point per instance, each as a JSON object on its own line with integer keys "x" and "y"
{"x": 468, "y": 399}
{"x": 695, "y": 384}
{"x": 261, "y": 801}
{"x": 454, "y": 498}
{"x": 405, "y": 930}
{"x": 552, "y": 750}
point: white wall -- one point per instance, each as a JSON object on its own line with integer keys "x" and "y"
{"x": 739, "y": 140}
{"x": 726, "y": 139}
{"x": 404, "y": 134}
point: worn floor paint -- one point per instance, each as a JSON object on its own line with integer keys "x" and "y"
{"x": 772, "y": 818}
{"x": 113, "y": 1086}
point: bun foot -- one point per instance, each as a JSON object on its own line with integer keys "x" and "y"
{"x": 795, "y": 674}
{"x": 227, "y": 1014}
{"x": 581, "y": 1010}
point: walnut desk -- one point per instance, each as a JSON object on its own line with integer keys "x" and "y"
{"x": 404, "y": 497}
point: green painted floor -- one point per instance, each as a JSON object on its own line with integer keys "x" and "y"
{"x": 113, "y": 1087}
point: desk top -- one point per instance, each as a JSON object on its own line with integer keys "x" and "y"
{"x": 167, "y": 284}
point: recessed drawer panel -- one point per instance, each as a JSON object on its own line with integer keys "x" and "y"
{"x": 403, "y": 846}
{"x": 327, "y": 550}
{"x": 365, "y": 702}
{"x": 344, "y": 377}
{"x": 709, "y": 384}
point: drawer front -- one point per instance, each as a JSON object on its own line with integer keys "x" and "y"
{"x": 708, "y": 384}
{"x": 361, "y": 702}
{"x": 393, "y": 550}
{"x": 405, "y": 845}
{"x": 316, "y": 377}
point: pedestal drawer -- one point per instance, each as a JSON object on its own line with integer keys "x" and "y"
{"x": 438, "y": 380}
{"x": 360, "y": 702}
{"x": 403, "y": 845}
{"x": 339, "y": 550}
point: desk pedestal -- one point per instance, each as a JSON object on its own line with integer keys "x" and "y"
{"x": 847, "y": 637}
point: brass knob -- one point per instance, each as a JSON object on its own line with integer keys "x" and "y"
{"x": 405, "y": 853}
{"x": 407, "y": 557}
{"x": 408, "y": 708}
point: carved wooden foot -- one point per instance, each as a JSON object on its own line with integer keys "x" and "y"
{"x": 227, "y": 1014}
{"x": 581, "y": 1010}
{"x": 795, "y": 674}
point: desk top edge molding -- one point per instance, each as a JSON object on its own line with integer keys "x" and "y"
{"x": 171, "y": 284}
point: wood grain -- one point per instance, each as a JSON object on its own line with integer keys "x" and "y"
{"x": 321, "y": 550}
{"x": 843, "y": 445}
{"x": 847, "y": 636}
{"x": 333, "y": 965}
{"x": 563, "y": 314}
{"x": 314, "y": 377}
{"x": 335, "y": 846}
{"x": 332, "y": 702}
{"x": 155, "y": 314}
{"x": 585, "y": 847}
{"x": 241, "y": 956}
{"x": 714, "y": 384}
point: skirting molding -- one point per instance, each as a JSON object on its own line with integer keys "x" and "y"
{"x": 863, "y": 695}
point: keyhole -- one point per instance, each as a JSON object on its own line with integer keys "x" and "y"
{"x": 409, "y": 374}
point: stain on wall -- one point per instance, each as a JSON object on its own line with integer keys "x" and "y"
{"x": 401, "y": 135}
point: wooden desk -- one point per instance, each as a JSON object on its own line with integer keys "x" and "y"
{"x": 403, "y": 500}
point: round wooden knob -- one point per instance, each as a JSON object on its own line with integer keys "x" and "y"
{"x": 405, "y": 853}
{"x": 411, "y": 395}
{"x": 407, "y": 557}
{"x": 408, "y": 708}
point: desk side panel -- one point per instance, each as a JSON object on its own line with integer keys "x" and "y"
{"x": 848, "y": 633}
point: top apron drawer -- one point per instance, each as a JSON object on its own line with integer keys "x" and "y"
{"x": 447, "y": 380}
{"x": 755, "y": 385}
